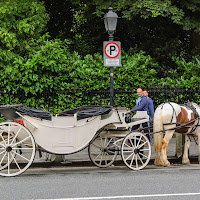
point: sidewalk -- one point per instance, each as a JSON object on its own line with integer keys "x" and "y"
{"x": 82, "y": 159}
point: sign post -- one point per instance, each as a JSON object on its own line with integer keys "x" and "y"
{"x": 111, "y": 49}
{"x": 112, "y": 58}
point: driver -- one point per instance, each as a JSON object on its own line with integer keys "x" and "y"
{"x": 141, "y": 105}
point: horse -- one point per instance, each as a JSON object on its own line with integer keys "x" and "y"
{"x": 173, "y": 116}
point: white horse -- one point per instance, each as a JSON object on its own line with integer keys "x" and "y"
{"x": 169, "y": 116}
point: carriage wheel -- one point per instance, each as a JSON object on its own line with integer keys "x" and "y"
{"x": 17, "y": 151}
{"x": 136, "y": 150}
{"x": 2, "y": 139}
{"x": 102, "y": 151}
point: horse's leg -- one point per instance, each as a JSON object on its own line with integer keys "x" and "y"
{"x": 198, "y": 135}
{"x": 165, "y": 141}
{"x": 158, "y": 137}
{"x": 157, "y": 159}
{"x": 185, "y": 159}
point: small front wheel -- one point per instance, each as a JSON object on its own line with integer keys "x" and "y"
{"x": 136, "y": 151}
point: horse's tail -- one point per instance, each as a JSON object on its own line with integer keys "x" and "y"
{"x": 158, "y": 126}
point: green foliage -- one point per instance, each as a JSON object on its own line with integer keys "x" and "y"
{"x": 179, "y": 12}
{"x": 50, "y": 66}
{"x": 137, "y": 70}
{"x": 152, "y": 32}
{"x": 21, "y": 20}
{"x": 87, "y": 29}
{"x": 53, "y": 67}
{"x": 187, "y": 73}
{"x": 160, "y": 28}
{"x": 154, "y": 8}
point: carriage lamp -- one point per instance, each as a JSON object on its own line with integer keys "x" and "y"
{"x": 110, "y": 21}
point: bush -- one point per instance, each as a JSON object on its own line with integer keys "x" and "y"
{"x": 49, "y": 65}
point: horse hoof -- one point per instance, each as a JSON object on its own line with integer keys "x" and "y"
{"x": 156, "y": 163}
{"x": 165, "y": 164}
{"x": 186, "y": 162}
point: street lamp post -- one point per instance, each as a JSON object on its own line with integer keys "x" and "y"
{"x": 110, "y": 21}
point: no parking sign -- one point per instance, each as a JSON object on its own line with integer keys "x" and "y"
{"x": 112, "y": 53}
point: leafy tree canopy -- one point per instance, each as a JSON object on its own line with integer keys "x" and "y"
{"x": 162, "y": 28}
{"x": 184, "y": 12}
{"x": 21, "y": 20}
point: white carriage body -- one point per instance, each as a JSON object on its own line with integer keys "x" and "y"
{"x": 104, "y": 130}
{"x": 66, "y": 134}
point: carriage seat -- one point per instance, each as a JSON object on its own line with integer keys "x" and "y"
{"x": 86, "y": 111}
{"x": 9, "y": 112}
{"x": 140, "y": 115}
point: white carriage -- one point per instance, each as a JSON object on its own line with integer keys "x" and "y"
{"x": 103, "y": 129}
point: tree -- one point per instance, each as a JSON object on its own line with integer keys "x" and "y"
{"x": 21, "y": 21}
{"x": 61, "y": 18}
{"x": 185, "y": 13}
{"x": 162, "y": 28}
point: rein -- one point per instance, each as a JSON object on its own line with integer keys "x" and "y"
{"x": 179, "y": 127}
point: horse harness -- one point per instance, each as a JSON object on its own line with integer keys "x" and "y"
{"x": 179, "y": 125}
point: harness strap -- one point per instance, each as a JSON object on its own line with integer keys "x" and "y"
{"x": 196, "y": 115}
{"x": 195, "y": 126}
{"x": 174, "y": 112}
{"x": 172, "y": 123}
{"x": 178, "y": 127}
{"x": 194, "y": 138}
{"x": 191, "y": 107}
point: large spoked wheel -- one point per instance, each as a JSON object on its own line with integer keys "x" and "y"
{"x": 102, "y": 151}
{"x": 136, "y": 151}
{"x": 17, "y": 149}
{"x": 5, "y": 137}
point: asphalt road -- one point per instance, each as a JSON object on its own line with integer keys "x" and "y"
{"x": 177, "y": 182}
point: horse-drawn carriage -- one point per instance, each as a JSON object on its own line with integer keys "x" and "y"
{"x": 103, "y": 129}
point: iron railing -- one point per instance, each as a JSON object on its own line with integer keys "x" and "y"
{"x": 56, "y": 101}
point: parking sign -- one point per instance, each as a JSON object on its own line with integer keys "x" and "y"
{"x": 112, "y": 53}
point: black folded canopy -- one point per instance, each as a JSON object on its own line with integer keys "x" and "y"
{"x": 87, "y": 111}
{"x": 9, "y": 112}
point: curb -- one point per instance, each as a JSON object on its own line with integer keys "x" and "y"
{"x": 88, "y": 163}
